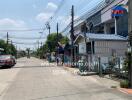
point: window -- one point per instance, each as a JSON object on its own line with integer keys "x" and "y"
{"x": 90, "y": 49}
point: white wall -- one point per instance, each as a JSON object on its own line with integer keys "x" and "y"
{"x": 82, "y": 46}
{"x": 105, "y": 48}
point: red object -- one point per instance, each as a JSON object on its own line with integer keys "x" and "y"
{"x": 117, "y": 11}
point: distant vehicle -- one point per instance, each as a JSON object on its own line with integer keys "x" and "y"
{"x": 7, "y": 61}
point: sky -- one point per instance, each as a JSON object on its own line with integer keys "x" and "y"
{"x": 33, "y": 14}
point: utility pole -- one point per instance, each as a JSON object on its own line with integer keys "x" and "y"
{"x": 48, "y": 27}
{"x": 38, "y": 44}
{"x": 41, "y": 44}
{"x": 16, "y": 52}
{"x": 130, "y": 43}
{"x": 7, "y": 38}
{"x": 57, "y": 27}
{"x": 57, "y": 31}
{"x": 72, "y": 34}
{"x": 11, "y": 42}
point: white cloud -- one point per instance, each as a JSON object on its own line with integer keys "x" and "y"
{"x": 7, "y": 23}
{"x": 51, "y": 6}
{"x": 43, "y": 17}
{"x": 48, "y": 12}
{"x": 65, "y": 20}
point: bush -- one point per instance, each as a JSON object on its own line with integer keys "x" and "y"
{"x": 124, "y": 84}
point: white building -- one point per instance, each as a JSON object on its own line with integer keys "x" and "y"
{"x": 101, "y": 45}
{"x": 100, "y": 19}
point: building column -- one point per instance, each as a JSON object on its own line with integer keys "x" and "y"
{"x": 106, "y": 29}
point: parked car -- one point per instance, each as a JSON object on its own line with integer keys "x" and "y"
{"x": 7, "y": 61}
{"x": 14, "y": 59}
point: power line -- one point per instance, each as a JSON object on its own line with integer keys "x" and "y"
{"x": 51, "y": 18}
{"x": 27, "y": 38}
{"x": 90, "y": 13}
{"x": 82, "y": 17}
{"x": 23, "y": 30}
{"x": 58, "y": 9}
{"x": 25, "y": 43}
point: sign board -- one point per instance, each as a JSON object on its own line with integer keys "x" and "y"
{"x": 118, "y": 11}
{"x": 82, "y": 48}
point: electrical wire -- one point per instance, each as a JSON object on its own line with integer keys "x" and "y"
{"x": 78, "y": 19}
{"x": 26, "y": 38}
{"x": 23, "y": 30}
{"x": 58, "y": 9}
{"x": 82, "y": 17}
{"x": 25, "y": 43}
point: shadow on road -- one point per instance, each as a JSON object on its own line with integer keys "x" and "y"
{"x": 1, "y": 68}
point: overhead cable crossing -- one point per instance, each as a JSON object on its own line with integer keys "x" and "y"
{"x": 101, "y": 5}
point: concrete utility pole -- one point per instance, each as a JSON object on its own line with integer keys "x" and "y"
{"x": 48, "y": 27}
{"x": 11, "y": 42}
{"x": 130, "y": 42}
{"x": 72, "y": 33}
{"x": 38, "y": 44}
{"x": 57, "y": 27}
{"x": 41, "y": 44}
{"x": 16, "y": 52}
{"x": 7, "y": 41}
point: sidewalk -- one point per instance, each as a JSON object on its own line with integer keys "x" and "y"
{"x": 101, "y": 80}
{"x": 109, "y": 83}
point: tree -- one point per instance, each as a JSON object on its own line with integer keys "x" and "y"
{"x": 51, "y": 43}
{"x": 52, "y": 40}
{"x": 8, "y": 48}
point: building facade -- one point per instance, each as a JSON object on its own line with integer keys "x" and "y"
{"x": 102, "y": 21}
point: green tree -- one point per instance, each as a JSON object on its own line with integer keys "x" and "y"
{"x": 52, "y": 40}
{"x": 8, "y": 48}
{"x": 51, "y": 43}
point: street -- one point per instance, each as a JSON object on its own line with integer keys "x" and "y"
{"x": 29, "y": 80}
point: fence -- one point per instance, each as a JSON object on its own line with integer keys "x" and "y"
{"x": 114, "y": 67}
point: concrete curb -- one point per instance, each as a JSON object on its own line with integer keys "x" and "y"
{"x": 72, "y": 70}
{"x": 126, "y": 91}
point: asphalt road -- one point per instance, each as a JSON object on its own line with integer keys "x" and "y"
{"x": 29, "y": 80}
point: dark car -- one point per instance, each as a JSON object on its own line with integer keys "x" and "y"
{"x": 7, "y": 61}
